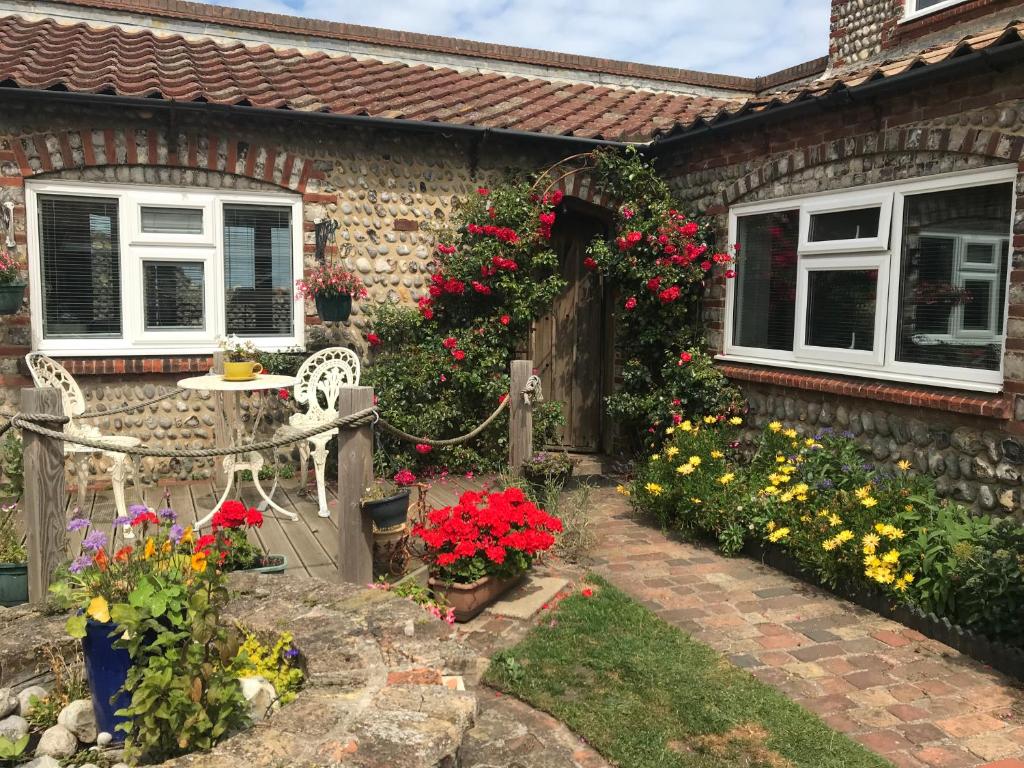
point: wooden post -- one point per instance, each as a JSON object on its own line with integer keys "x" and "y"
{"x": 44, "y": 495}
{"x": 355, "y": 475}
{"x": 520, "y": 416}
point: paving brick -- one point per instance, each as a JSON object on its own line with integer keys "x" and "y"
{"x": 895, "y": 639}
{"x": 922, "y": 733}
{"x": 907, "y": 713}
{"x": 868, "y": 678}
{"x": 883, "y": 741}
{"x": 970, "y": 725}
{"x": 945, "y": 757}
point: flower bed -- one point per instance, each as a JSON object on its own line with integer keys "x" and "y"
{"x": 841, "y": 522}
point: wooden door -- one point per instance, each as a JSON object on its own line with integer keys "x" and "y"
{"x": 569, "y": 345}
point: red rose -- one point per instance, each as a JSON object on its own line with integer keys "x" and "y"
{"x": 631, "y": 303}
{"x": 450, "y": 343}
{"x": 374, "y": 339}
{"x": 483, "y": 191}
{"x": 685, "y": 357}
{"x": 589, "y": 263}
{"x": 423, "y": 448}
{"x": 458, "y": 354}
{"x": 504, "y": 319}
{"x": 730, "y": 274}
{"x": 705, "y": 265}
{"x": 653, "y": 284}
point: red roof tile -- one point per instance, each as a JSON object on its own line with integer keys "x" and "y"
{"x": 84, "y": 59}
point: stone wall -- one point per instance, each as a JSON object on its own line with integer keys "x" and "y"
{"x": 388, "y": 190}
{"x": 934, "y": 129}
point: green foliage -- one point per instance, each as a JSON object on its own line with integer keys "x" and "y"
{"x": 68, "y": 685}
{"x": 11, "y": 548}
{"x": 12, "y": 469}
{"x": 184, "y": 694}
{"x": 11, "y": 751}
{"x": 276, "y": 663}
{"x": 846, "y": 524}
{"x": 645, "y": 695}
{"x": 285, "y": 363}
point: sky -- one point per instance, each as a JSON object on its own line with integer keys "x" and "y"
{"x": 736, "y": 37}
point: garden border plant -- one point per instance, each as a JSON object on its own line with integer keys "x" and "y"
{"x": 440, "y": 368}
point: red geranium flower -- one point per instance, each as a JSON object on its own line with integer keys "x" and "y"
{"x": 145, "y": 517}
{"x": 450, "y": 343}
{"x": 423, "y": 448}
{"x": 483, "y": 191}
{"x": 458, "y": 354}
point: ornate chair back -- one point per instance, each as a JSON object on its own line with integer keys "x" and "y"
{"x": 47, "y": 372}
{"x": 341, "y": 369}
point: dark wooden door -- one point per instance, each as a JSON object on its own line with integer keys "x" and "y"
{"x": 569, "y": 346}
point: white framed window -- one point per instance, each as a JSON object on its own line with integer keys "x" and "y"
{"x": 158, "y": 270}
{"x": 906, "y": 282}
{"x": 915, "y": 8}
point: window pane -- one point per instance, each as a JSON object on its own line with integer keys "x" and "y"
{"x": 765, "y": 287}
{"x": 844, "y": 225}
{"x": 172, "y": 221}
{"x": 922, "y": 4}
{"x": 841, "y": 308}
{"x": 80, "y": 254}
{"x": 173, "y": 295}
{"x": 258, "y": 270}
{"x": 953, "y": 283}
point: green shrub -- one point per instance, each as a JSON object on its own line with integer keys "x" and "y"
{"x": 844, "y": 522}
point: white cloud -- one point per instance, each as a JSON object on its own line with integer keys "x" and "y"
{"x": 737, "y": 37}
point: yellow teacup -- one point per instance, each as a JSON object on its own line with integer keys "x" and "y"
{"x": 245, "y": 371}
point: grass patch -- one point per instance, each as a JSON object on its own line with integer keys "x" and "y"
{"x": 645, "y": 695}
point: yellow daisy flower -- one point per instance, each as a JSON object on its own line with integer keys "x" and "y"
{"x": 735, "y": 421}
{"x": 727, "y": 478}
{"x": 775, "y": 426}
{"x": 695, "y": 460}
{"x": 653, "y": 488}
{"x": 903, "y": 465}
{"x": 685, "y": 469}
{"x": 671, "y": 451}
{"x": 717, "y": 455}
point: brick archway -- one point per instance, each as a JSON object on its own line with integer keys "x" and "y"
{"x": 958, "y": 140}
{"x": 41, "y": 153}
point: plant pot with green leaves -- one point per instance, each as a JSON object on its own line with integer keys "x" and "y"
{"x": 13, "y": 559}
{"x": 240, "y": 359}
{"x": 333, "y": 289}
{"x": 548, "y": 467}
{"x": 388, "y": 507}
{"x": 232, "y": 522}
{"x": 12, "y": 287}
{"x": 481, "y": 547}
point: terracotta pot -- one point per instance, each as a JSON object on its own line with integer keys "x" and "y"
{"x": 469, "y": 599}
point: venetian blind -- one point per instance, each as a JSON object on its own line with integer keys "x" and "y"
{"x": 80, "y": 255}
{"x": 766, "y": 280}
{"x": 258, "y": 279}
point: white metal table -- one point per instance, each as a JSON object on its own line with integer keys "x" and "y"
{"x": 250, "y": 460}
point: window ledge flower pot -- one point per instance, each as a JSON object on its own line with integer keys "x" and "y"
{"x": 388, "y": 512}
{"x": 334, "y": 309}
{"x": 13, "y": 584}
{"x": 270, "y": 564}
{"x": 468, "y": 600}
{"x": 106, "y": 668}
{"x": 11, "y": 296}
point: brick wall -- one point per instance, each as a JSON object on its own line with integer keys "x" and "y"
{"x": 949, "y": 125}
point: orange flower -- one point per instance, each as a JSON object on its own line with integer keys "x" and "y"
{"x": 150, "y": 549}
{"x": 199, "y": 561}
{"x": 101, "y": 559}
{"x": 123, "y": 554}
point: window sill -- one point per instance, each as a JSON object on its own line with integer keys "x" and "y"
{"x": 993, "y": 406}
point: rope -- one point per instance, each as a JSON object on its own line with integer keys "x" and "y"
{"x": 396, "y": 432}
{"x": 27, "y": 421}
{"x": 95, "y": 414}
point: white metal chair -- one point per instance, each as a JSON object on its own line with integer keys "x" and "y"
{"x": 47, "y": 372}
{"x": 320, "y": 380}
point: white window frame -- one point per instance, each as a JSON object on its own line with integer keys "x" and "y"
{"x": 910, "y": 11}
{"x": 136, "y": 246}
{"x": 853, "y": 202}
{"x": 890, "y": 369}
{"x": 804, "y": 351}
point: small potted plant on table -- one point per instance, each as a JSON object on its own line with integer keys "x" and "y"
{"x": 13, "y": 560}
{"x": 332, "y": 288}
{"x": 12, "y": 288}
{"x": 240, "y": 359}
{"x": 481, "y": 547}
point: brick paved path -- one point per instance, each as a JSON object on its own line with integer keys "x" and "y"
{"x": 915, "y": 701}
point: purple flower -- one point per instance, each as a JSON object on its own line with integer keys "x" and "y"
{"x": 95, "y": 541}
{"x": 175, "y": 533}
{"x": 291, "y": 653}
{"x": 78, "y": 524}
{"x": 79, "y": 564}
{"x": 167, "y": 514}
{"x": 124, "y": 519}
{"x": 137, "y": 509}
{"x": 826, "y": 484}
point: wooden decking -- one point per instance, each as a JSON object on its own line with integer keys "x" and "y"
{"x": 310, "y": 544}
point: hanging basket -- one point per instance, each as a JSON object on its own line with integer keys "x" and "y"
{"x": 11, "y": 296}
{"x": 334, "y": 309}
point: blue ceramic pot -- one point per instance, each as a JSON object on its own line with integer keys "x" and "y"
{"x": 106, "y": 668}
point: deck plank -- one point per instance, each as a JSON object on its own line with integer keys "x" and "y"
{"x": 306, "y": 534}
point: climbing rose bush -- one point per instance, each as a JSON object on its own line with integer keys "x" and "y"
{"x": 486, "y": 534}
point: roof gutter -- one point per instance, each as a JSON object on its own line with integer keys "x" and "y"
{"x": 968, "y": 63}
{"x": 326, "y": 118}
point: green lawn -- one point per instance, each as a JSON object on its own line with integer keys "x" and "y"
{"x": 647, "y": 696}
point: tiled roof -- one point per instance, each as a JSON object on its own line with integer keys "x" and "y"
{"x": 79, "y": 58}
{"x": 852, "y": 77}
